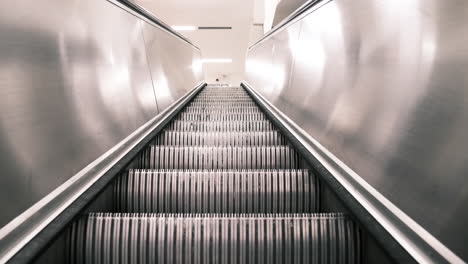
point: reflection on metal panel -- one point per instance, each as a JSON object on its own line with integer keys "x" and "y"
{"x": 383, "y": 85}
{"x": 174, "y": 73}
{"x": 74, "y": 82}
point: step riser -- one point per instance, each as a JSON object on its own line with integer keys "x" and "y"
{"x": 216, "y": 192}
{"x": 170, "y": 138}
{"x": 222, "y": 117}
{"x": 221, "y": 105}
{"x": 249, "y": 239}
{"x": 199, "y": 158}
{"x": 202, "y": 126}
{"x": 221, "y": 111}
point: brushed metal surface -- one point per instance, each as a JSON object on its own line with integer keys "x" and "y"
{"x": 24, "y": 238}
{"x": 383, "y": 86}
{"x": 174, "y": 73}
{"x": 74, "y": 81}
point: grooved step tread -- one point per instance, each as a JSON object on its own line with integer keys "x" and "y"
{"x": 150, "y": 238}
{"x": 225, "y": 117}
{"x": 174, "y": 138}
{"x": 203, "y": 191}
{"x": 220, "y": 126}
{"x": 189, "y": 158}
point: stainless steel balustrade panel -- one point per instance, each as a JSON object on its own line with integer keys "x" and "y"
{"x": 175, "y": 65}
{"x": 383, "y": 86}
{"x": 74, "y": 82}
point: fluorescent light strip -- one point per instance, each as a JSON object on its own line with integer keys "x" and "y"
{"x": 216, "y": 60}
{"x": 184, "y": 28}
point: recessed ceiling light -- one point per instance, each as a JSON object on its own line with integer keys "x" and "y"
{"x": 216, "y": 60}
{"x": 184, "y": 28}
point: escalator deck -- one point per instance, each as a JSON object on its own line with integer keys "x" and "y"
{"x": 220, "y": 184}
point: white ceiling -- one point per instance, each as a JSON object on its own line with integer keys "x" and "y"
{"x": 232, "y": 44}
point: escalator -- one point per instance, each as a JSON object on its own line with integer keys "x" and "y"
{"x": 107, "y": 156}
{"x": 219, "y": 184}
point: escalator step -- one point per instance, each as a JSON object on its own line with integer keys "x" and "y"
{"x": 222, "y": 91}
{"x": 222, "y": 104}
{"x": 230, "y": 99}
{"x": 222, "y": 110}
{"x": 220, "y": 126}
{"x": 174, "y": 138}
{"x": 251, "y": 191}
{"x": 224, "y": 96}
{"x": 226, "y": 117}
{"x": 213, "y": 92}
{"x": 152, "y": 238}
{"x": 190, "y": 158}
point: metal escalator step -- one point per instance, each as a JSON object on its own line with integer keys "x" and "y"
{"x": 174, "y": 138}
{"x": 212, "y": 238}
{"x": 220, "y": 126}
{"x": 223, "y": 98}
{"x": 231, "y": 98}
{"x": 189, "y": 158}
{"x": 223, "y": 104}
{"x": 218, "y": 99}
{"x": 222, "y": 90}
{"x": 203, "y": 191}
{"x": 222, "y": 118}
{"x": 226, "y": 117}
{"x": 225, "y": 94}
{"x": 222, "y": 110}
{"x": 153, "y": 238}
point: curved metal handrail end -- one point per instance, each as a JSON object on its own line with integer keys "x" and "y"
{"x": 404, "y": 239}
{"x": 308, "y": 6}
{"x": 133, "y": 7}
{"x": 24, "y": 237}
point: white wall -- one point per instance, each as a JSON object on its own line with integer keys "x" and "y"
{"x": 258, "y": 24}
{"x": 213, "y": 43}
